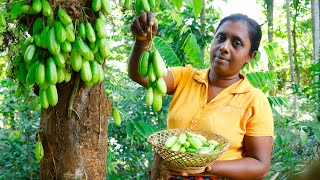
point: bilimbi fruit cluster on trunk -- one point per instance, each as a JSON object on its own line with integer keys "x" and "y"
{"x": 60, "y": 45}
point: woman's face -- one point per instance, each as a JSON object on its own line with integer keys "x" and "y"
{"x": 230, "y": 49}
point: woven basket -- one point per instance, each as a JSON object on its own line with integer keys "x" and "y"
{"x": 186, "y": 162}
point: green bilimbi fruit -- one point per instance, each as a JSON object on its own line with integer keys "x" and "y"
{"x": 95, "y": 71}
{"x": 61, "y": 35}
{"x": 85, "y": 71}
{"x": 38, "y": 26}
{"x": 158, "y": 64}
{"x": 76, "y": 60}
{"x": 161, "y": 86}
{"x": 82, "y": 31}
{"x": 157, "y": 100}
{"x": 37, "y": 6}
{"x": 67, "y": 76}
{"x": 39, "y": 151}
{"x": 70, "y": 32}
{"x": 143, "y": 64}
{"x": 51, "y": 71}
{"x": 50, "y": 20}
{"x": 40, "y": 74}
{"x": 52, "y": 43}
{"x": 152, "y": 4}
{"x": 43, "y": 99}
{"x": 145, "y": 5}
{"x": 128, "y": 4}
{"x": 149, "y": 96}
{"x": 59, "y": 60}
{"x": 170, "y": 141}
{"x": 43, "y": 37}
{"x": 30, "y": 79}
{"x": 46, "y": 8}
{"x": 151, "y": 75}
{"x": 64, "y": 17}
{"x": 101, "y": 74}
{"x": 61, "y": 74}
{"x": 29, "y": 53}
{"x": 106, "y": 6}
{"x": 96, "y": 5}
{"x": 52, "y": 94}
{"x": 37, "y": 40}
{"x": 100, "y": 27}
{"x": 138, "y": 7}
{"x": 66, "y": 46}
{"x": 90, "y": 34}
{"x": 116, "y": 116}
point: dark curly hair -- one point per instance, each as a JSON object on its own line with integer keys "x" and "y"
{"x": 253, "y": 28}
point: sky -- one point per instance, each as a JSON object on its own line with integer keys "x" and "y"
{"x": 248, "y": 7}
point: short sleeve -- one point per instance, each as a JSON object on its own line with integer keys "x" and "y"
{"x": 178, "y": 73}
{"x": 260, "y": 122}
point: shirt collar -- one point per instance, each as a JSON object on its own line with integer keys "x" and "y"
{"x": 242, "y": 86}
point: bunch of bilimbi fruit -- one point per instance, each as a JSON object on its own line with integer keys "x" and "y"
{"x": 151, "y": 64}
{"x": 59, "y": 45}
{"x": 192, "y": 143}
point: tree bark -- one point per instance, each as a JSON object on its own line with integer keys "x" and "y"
{"x": 295, "y": 102}
{"x": 203, "y": 24}
{"x": 75, "y": 148}
{"x": 270, "y": 19}
{"x": 315, "y": 6}
{"x": 294, "y": 38}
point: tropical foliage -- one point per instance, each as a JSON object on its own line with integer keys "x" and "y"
{"x": 181, "y": 41}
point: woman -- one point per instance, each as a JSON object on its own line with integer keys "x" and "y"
{"x": 218, "y": 99}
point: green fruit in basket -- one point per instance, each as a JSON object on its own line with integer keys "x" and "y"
{"x": 182, "y": 149}
{"x": 186, "y": 144}
{"x": 205, "y": 150}
{"x": 201, "y": 138}
{"x": 182, "y": 138}
{"x": 170, "y": 141}
{"x": 191, "y": 150}
{"x": 213, "y": 142}
{"x": 194, "y": 142}
{"x": 176, "y": 146}
{"x": 190, "y": 134}
{"x": 215, "y": 151}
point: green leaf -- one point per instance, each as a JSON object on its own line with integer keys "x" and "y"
{"x": 129, "y": 129}
{"x": 315, "y": 67}
{"x": 166, "y": 52}
{"x": 192, "y": 50}
{"x": 140, "y": 128}
{"x": 317, "y": 134}
{"x": 197, "y": 7}
{"x": 178, "y": 4}
{"x": 303, "y": 138}
{"x": 278, "y": 141}
{"x": 16, "y": 8}
{"x": 176, "y": 17}
{"x": 278, "y": 101}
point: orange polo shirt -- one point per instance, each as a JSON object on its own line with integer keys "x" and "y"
{"x": 238, "y": 110}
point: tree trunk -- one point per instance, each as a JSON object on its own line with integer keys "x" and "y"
{"x": 270, "y": 19}
{"x": 203, "y": 25}
{"x": 295, "y": 102}
{"x": 294, "y": 38}
{"x": 75, "y": 148}
{"x": 315, "y": 6}
{"x": 269, "y": 4}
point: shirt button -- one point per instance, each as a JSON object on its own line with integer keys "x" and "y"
{"x": 193, "y": 121}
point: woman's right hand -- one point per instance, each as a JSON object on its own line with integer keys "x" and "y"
{"x": 142, "y": 25}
